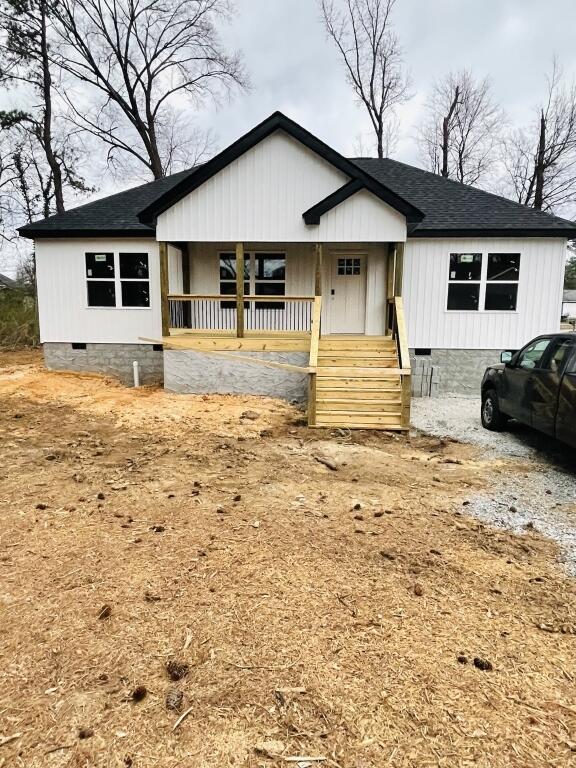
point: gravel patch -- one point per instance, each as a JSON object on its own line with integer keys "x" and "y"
{"x": 459, "y": 418}
{"x": 542, "y": 499}
{"x": 541, "y": 495}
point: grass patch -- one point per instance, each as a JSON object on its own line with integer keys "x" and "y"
{"x": 18, "y": 318}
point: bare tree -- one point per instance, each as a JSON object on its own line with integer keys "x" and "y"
{"x": 26, "y": 61}
{"x": 460, "y": 137}
{"x": 137, "y": 57}
{"x": 540, "y": 160}
{"x": 362, "y": 33}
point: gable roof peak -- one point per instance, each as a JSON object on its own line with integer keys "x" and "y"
{"x": 278, "y": 121}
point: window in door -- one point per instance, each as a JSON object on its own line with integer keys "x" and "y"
{"x": 532, "y": 355}
{"x": 349, "y": 266}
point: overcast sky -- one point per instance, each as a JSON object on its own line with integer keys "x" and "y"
{"x": 295, "y": 69}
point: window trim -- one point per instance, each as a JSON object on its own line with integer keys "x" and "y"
{"x": 483, "y": 282}
{"x": 117, "y": 280}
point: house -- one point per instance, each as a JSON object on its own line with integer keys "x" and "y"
{"x": 282, "y": 268}
{"x": 7, "y": 282}
{"x": 569, "y": 303}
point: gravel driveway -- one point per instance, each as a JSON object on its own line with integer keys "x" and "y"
{"x": 542, "y": 494}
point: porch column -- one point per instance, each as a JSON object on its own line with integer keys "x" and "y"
{"x": 239, "y": 290}
{"x": 318, "y": 269}
{"x": 164, "y": 288}
{"x": 390, "y": 283}
{"x": 186, "y": 305}
{"x": 399, "y": 271}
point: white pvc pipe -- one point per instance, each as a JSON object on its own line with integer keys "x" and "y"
{"x": 136, "y": 368}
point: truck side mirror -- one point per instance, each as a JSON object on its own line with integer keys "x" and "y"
{"x": 506, "y": 357}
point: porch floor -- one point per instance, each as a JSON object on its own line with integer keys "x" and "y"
{"x": 253, "y": 341}
{"x": 258, "y": 341}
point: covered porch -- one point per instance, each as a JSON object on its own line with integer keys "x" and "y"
{"x": 338, "y": 305}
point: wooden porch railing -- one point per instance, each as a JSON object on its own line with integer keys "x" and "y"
{"x": 401, "y": 336}
{"x": 313, "y": 359}
{"x": 219, "y": 312}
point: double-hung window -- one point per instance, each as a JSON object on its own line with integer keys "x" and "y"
{"x": 480, "y": 282}
{"x": 464, "y": 281}
{"x": 502, "y": 275}
{"x": 264, "y": 275}
{"x": 101, "y": 279}
{"x": 117, "y": 280}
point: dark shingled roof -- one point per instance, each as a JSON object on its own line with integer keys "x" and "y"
{"x": 449, "y": 208}
{"x": 454, "y": 208}
{"x": 116, "y": 215}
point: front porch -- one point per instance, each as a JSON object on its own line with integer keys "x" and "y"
{"x": 345, "y": 335}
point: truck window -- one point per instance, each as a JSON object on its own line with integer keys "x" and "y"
{"x": 571, "y": 367}
{"x": 559, "y": 354}
{"x": 531, "y": 356}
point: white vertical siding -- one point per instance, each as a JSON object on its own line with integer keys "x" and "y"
{"x": 175, "y": 282}
{"x": 204, "y": 271}
{"x": 261, "y": 196}
{"x": 431, "y": 325}
{"x": 376, "y": 291}
{"x": 62, "y": 300}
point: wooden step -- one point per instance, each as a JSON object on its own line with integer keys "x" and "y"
{"x": 358, "y": 419}
{"x": 354, "y": 389}
{"x": 355, "y": 406}
{"x": 375, "y": 383}
{"x": 352, "y": 346}
{"x": 377, "y": 395}
{"x": 358, "y": 354}
{"x": 359, "y": 372}
{"x": 360, "y": 362}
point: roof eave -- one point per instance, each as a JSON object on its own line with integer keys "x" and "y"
{"x": 35, "y": 233}
{"x": 566, "y": 232}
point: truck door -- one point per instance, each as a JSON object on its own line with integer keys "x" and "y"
{"x": 566, "y": 416}
{"x": 517, "y": 380}
{"x": 545, "y": 385}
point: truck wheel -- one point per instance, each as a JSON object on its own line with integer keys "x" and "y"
{"x": 492, "y": 417}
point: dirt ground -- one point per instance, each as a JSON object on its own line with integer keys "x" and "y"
{"x": 327, "y": 617}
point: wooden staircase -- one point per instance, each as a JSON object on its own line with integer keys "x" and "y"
{"x": 358, "y": 384}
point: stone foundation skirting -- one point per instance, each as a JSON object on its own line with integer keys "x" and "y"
{"x": 193, "y": 372}
{"x": 113, "y": 359}
{"x": 450, "y": 371}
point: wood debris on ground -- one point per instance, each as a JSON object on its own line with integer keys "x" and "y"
{"x": 175, "y": 635}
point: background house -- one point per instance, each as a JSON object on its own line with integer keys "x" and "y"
{"x": 569, "y": 303}
{"x": 7, "y": 282}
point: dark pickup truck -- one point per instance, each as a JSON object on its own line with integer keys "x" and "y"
{"x": 535, "y": 385}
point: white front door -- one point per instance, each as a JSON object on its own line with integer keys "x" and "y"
{"x": 347, "y": 293}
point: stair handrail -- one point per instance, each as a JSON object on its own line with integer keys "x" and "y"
{"x": 401, "y": 334}
{"x": 315, "y": 332}
{"x": 404, "y": 359}
{"x": 313, "y": 358}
